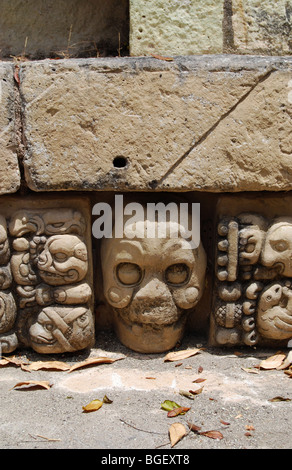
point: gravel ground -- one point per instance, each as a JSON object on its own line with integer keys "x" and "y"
{"x": 237, "y": 399}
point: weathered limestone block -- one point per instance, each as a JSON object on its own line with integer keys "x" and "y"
{"x": 253, "y": 292}
{"x": 176, "y": 27}
{"x": 46, "y": 275}
{"x": 212, "y": 123}
{"x": 40, "y": 29}
{"x": 262, "y": 26}
{"x": 153, "y": 274}
{"x": 9, "y": 175}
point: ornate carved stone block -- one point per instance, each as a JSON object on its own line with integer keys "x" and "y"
{"x": 152, "y": 283}
{"x": 45, "y": 275}
{"x": 253, "y": 287}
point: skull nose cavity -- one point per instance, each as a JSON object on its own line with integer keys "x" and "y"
{"x": 153, "y": 289}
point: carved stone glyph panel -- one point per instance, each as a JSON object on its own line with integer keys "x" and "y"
{"x": 45, "y": 276}
{"x": 253, "y": 287}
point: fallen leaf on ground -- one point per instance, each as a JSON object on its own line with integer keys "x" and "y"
{"x": 93, "y": 361}
{"x": 249, "y": 427}
{"x": 251, "y": 370}
{"x": 287, "y": 362}
{"x": 186, "y": 394}
{"x": 272, "y": 362}
{"x": 181, "y": 410}
{"x": 196, "y": 392}
{"x": 34, "y": 384}
{"x": 224, "y": 422}
{"x": 176, "y": 432}
{"x": 200, "y": 370}
{"x": 48, "y": 365}
{"x": 197, "y": 381}
{"x": 169, "y": 405}
{"x": 106, "y": 400}
{"x": 94, "y": 405}
{"x": 212, "y": 434}
{"x": 15, "y": 361}
{"x": 193, "y": 427}
{"x": 280, "y": 399}
{"x": 179, "y": 355}
{"x": 288, "y": 372}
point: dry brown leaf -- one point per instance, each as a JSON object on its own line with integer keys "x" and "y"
{"x": 280, "y": 399}
{"x": 272, "y": 362}
{"x": 106, "y": 400}
{"x": 288, "y": 372}
{"x": 187, "y": 394}
{"x": 224, "y": 422}
{"x": 176, "y": 432}
{"x": 200, "y": 370}
{"x": 15, "y": 361}
{"x": 33, "y": 384}
{"x": 287, "y": 362}
{"x": 196, "y": 392}
{"x": 212, "y": 434}
{"x": 249, "y": 427}
{"x": 251, "y": 370}
{"x": 179, "y": 355}
{"x": 48, "y": 365}
{"x": 3, "y": 362}
{"x": 91, "y": 361}
{"x": 193, "y": 427}
{"x": 181, "y": 410}
{"x": 198, "y": 381}
{"x": 94, "y": 405}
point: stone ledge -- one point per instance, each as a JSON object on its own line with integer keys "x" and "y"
{"x": 9, "y": 175}
{"x": 201, "y": 123}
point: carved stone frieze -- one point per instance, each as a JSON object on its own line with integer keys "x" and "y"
{"x": 253, "y": 288}
{"x": 45, "y": 276}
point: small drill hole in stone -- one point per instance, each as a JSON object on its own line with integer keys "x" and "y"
{"x": 120, "y": 162}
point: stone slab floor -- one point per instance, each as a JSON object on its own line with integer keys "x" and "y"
{"x": 235, "y": 400}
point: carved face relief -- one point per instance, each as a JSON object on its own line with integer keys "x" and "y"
{"x": 277, "y": 249}
{"x": 4, "y": 243}
{"x": 7, "y": 311}
{"x": 274, "y": 316}
{"x": 58, "y": 329}
{"x": 151, "y": 283}
{"x": 63, "y": 260}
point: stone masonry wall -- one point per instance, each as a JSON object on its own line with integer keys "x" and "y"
{"x": 154, "y": 101}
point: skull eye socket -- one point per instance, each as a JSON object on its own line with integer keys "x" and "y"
{"x": 129, "y": 273}
{"x": 177, "y": 274}
{"x": 280, "y": 246}
{"x": 60, "y": 257}
{"x": 48, "y": 326}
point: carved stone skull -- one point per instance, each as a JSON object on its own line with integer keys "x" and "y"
{"x": 151, "y": 283}
{"x": 63, "y": 260}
